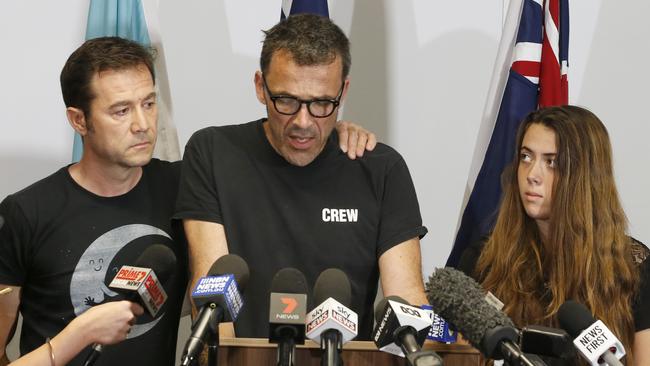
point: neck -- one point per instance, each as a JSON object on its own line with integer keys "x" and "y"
{"x": 105, "y": 181}
{"x": 543, "y": 227}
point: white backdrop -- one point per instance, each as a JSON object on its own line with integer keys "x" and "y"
{"x": 420, "y": 74}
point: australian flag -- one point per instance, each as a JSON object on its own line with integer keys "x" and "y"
{"x": 531, "y": 72}
{"x": 290, "y": 7}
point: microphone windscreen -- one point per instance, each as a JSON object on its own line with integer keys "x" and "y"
{"x": 574, "y": 317}
{"x": 234, "y": 264}
{"x": 333, "y": 283}
{"x": 289, "y": 280}
{"x": 381, "y": 305}
{"x": 160, "y": 259}
{"x": 461, "y": 301}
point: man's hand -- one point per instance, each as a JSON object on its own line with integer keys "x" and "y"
{"x": 354, "y": 139}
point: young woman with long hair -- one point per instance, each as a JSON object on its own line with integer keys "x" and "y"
{"x": 561, "y": 233}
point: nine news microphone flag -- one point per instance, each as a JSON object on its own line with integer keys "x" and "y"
{"x": 530, "y": 72}
{"x": 128, "y": 19}
{"x": 291, "y": 7}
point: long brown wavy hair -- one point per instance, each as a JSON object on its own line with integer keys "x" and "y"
{"x": 586, "y": 256}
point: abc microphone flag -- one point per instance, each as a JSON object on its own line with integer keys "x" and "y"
{"x": 393, "y": 314}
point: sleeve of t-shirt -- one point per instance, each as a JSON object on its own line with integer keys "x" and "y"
{"x": 642, "y": 301}
{"x": 198, "y": 196}
{"x": 14, "y": 238}
{"x": 400, "y": 211}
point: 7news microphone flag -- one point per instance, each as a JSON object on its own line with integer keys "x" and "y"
{"x": 530, "y": 72}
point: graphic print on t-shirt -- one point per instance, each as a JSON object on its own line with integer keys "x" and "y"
{"x": 340, "y": 214}
{"x": 87, "y": 287}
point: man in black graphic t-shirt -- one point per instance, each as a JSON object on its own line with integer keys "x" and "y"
{"x": 279, "y": 193}
{"x": 66, "y": 236}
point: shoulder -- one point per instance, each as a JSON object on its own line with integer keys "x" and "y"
{"x": 208, "y": 135}
{"x": 470, "y": 256}
{"x": 37, "y": 200}
{"x": 383, "y": 155}
{"x": 640, "y": 251}
{"x": 41, "y": 188}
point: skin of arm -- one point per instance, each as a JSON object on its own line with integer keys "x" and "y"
{"x": 9, "y": 303}
{"x": 104, "y": 324}
{"x": 400, "y": 269}
{"x": 641, "y": 348}
{"x": 206, "y": 243}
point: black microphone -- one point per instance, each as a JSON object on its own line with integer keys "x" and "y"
{"x": 595, "y": 342}
{"x": 142, "y": 283}
{"x": 218, "y": 298}
{"x": 401, "y": 330}
{"x": 461, "y": 301}
{"x": 546, "y": 341}
{"x": 332, "y": 323}
{"x": 287, "y": 307}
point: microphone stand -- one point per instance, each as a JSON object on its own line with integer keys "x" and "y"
{"x": 210, "y": 329}
{"x": 287, "y": 345}
{"x": 331, "y": 344}
{"x": 514, "y": 357}
{"x": 213, "y": 337}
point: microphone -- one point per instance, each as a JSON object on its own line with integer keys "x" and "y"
{"x": 140, "y": 284}
{"x": 545, "y": 341}
{"x": 218, "y": 296}
{"x": 461, "y": 301}
{"x": 401, "y": 330}
{"x": 595, "y": 342}
{"x": 332, "y": 323}
{"x": 288, "y": 303}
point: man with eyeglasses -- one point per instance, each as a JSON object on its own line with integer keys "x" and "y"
{"x": 279, "y": 193}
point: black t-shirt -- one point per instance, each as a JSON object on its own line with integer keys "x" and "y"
{"x": 334, "y": 212}
{"x": 63, "y": 245}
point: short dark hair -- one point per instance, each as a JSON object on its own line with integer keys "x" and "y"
{"x": 310, "y": 39}
{"x": 97, "y": 55}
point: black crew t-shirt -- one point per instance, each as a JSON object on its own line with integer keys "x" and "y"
{"x": 334, "y": 212}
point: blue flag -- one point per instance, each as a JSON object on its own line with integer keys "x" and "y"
{"x": 121, "y": 18}
{"x": 527, "y": 74}
{"x": 291, "y": 7}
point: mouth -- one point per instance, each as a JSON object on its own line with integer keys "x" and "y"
{"x": 301, "y": 142}
{"x": 533, "y": 195}
{"x": 141, "y": 145}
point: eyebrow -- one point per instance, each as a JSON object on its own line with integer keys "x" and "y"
{"x": 524, "y": 148}
{"x": 121, "y": 103}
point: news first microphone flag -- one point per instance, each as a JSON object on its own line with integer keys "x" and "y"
{"x": 128, "y": 19}
{"x": 530, "y": 72}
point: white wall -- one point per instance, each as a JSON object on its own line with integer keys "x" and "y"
{"x": 420, "y": 74}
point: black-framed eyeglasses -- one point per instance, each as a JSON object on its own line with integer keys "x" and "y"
{"x": 290, "y": 105}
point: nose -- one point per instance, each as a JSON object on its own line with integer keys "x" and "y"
{"x": 302, "y": 118}
{"x": 140, "y": 122}
{"x": 534, "y": 175}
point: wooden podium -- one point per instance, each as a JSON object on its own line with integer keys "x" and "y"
{"x": 254, "y": 351}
